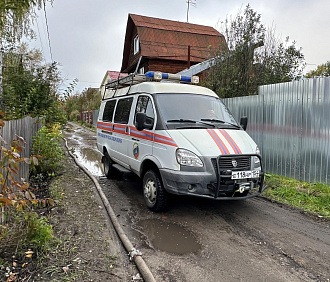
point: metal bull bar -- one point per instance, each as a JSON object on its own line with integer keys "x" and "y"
{"x": 224, "y": 178}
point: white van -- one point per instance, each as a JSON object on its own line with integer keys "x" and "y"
{"x": 178, "y": 137}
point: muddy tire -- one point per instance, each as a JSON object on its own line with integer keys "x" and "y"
{"x": 154, "y": 194}
{"x": 109, "y": 171}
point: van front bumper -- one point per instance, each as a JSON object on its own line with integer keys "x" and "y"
{"x": 206, "y": 185}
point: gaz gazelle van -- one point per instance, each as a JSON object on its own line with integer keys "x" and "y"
{"x": 178, "y": 137}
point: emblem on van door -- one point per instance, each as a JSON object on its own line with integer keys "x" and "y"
{"x": 136, "y": 150}
{"x": 234, "y": 163}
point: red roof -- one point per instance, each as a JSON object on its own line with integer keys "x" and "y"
{"x": 161, "y": 24}
{"x": 165, "y": 39}
{"x": 116, "y": 74}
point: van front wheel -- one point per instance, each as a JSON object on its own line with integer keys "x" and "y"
{"x": 155, "y": 196}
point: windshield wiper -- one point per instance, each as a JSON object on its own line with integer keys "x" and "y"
{"x": 213, "y": 120}
{"x": 181, "y": 120}
{"x": 221, "y": 121}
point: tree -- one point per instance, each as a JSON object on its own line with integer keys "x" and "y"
{"x": 30, "y": 86}
{"x": 88, "y": 99}
{"x": 321, "y": 71}
{"x": 253, "y": 57}
{"x": 16, "y": 18}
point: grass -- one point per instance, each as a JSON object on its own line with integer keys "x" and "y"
{"x": 310, "y": 197}
{"x": 86, "y": 124}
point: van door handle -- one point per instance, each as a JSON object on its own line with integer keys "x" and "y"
{"x": 135, "y": 139}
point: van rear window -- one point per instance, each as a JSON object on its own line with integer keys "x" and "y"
{"x": 108, "y": 110}
{"x": 123, "y": 110}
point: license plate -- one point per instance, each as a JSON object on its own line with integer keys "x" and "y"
{"x": 245, "y": 174}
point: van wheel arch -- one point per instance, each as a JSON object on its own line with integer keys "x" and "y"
{"x": 148, "y": 165}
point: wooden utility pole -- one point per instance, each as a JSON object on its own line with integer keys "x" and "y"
{"x": 188, "y": 60}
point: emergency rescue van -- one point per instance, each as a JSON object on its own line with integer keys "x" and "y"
{"x": 178, "y": 137}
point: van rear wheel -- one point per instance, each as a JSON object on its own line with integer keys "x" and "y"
{"x": 154, "y": 194}
{"x": 109, "y": 170}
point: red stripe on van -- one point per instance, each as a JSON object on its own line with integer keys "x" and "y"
{"x": 216, "y": 138}
{"x": 147, "y": 135}
{"x": 105, "y": 126}
{"x": 231, "y": 142}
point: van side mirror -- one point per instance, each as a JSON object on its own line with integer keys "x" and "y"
{"x": 244, "y": 122}
{"x": 140, "y": 122}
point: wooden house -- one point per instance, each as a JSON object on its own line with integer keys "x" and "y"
{"x": 153, "y": 44}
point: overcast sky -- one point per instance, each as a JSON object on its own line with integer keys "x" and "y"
{"x": 87, "y": 36}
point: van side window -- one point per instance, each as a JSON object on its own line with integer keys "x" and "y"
{"x": 108, "y": 110}
{"x": 144, "y": 105}
{"x": 123, "y": 110}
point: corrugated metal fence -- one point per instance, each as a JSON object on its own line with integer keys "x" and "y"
{"x": 26, "y": 128}
{"x": 290, "y": 122}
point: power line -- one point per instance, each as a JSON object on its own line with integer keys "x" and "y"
{"x": 50, "y": 48}
{"x": 42, "y": 48}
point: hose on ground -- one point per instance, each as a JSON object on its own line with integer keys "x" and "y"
{"x": 134, "y": 254}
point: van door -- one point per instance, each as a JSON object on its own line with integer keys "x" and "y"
{"x": 120, "y": 129}
{"x": 104, "y": 126}
{"x": 141, "y": 142}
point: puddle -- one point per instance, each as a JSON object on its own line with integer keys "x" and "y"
{"x": 91, "y": 159}
{"x": 168, "y": 237}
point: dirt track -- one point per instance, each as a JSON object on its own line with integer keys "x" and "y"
{"x": 202, "y": 240}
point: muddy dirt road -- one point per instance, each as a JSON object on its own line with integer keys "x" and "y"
{"x": 203, "y": 240}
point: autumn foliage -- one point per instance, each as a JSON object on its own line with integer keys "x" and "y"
{"x": 13, "y": 191}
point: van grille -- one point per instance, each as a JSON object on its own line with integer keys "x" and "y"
{"x": 226, "y": 163}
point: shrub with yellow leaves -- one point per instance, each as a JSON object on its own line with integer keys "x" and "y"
{"x": 14, "y": 192}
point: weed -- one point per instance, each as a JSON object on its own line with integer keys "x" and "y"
{"x": 311, "y": 197}
{"x": 56, "y": 191}
{"x": 39, "y": 232}
{"x": 47, "y": 144}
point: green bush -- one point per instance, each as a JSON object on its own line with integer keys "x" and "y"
{"x": 39, "y": 232}
{"x": 74, "y": 116}
{"x": 25, "y": 230}
{"x": 47, "y": 145}
{"x": 56, "y": 114}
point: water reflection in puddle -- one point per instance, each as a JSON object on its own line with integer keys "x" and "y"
{"x": 91, "y": 159}
{"x": 169, "y": 237}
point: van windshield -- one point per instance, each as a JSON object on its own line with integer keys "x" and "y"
{"x": 193, "y": 110}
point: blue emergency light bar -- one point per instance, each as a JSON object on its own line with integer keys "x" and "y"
{"x": 156, "y": 75}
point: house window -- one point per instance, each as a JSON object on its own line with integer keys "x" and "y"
{"x": 136, "y": 44}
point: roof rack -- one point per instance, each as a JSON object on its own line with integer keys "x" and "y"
{"x": 128, "y": 80}
{"x": 133, "y": 78}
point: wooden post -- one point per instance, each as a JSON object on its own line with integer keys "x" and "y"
{"x": 188, "y": 61}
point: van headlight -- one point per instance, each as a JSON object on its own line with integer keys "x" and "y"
{"x": 256, "y": 159}
{"x": 187, "y": 158}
